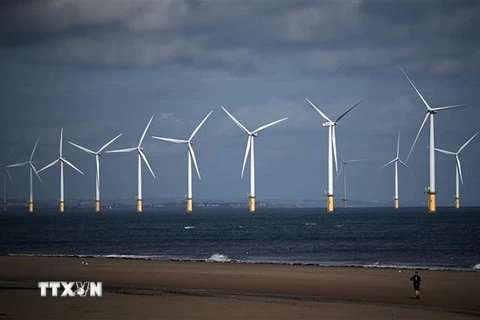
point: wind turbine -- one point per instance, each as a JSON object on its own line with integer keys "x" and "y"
{"x": 431, "y": 191}
{"x": 458, "y": 169}
{"x": 344, "y": 170}
{"x": 141, "y": 156}
{"x": 62, "y": 160}
{"x": 30, "y": 163}
{"x": 250, "y": 149}
{"x": 5, "y": 174}
{"x": 396, "y": 160}
{"x": 191, "y": 156}
{"x": 97, "y": 161}
{"x": 332, "y": 149}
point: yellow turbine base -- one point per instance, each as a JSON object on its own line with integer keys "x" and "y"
{"x": 4, "y": 205}
{"x": 139, "y": 205}
{"x": 30, "y": 207}
{"x": 62, "y": 206}
{"x": 345, "y": 203}
{"x": 251, "y": 204}
{"x": 329, "y": 203}
{"x": 457, "y": 203}
{"x": 97, "y": 205}
{"x": 189, "y": 205}
{"x": 431, "y": 203}
{"x": 395, "y": 204}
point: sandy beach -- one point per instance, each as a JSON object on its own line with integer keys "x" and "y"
{"x": 140, "y": 289}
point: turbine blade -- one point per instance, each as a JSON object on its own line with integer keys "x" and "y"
{"x": 421, "y": 97}
{"x": 81, "y": 148}
{"x": 199, "y": 126}
{"x": 343, "y": 114}
{"x": 419, "y": 131}
{"x": 445, "y": 151}
{"x": 465, "y": 144}
{"x": 36, "y": 172}
{"x": 449, "y": 107}
{"x": 405, "y": 165}
{"x": 388, "y": 163}
{"x": 170, "y": 139}
{"x": 334, "y": 144}
{"x": 61, "y": 142}
{"x": 236, "y": 121}
{"x": 146, "y": 162}
{"x": 17, "y": 165}
{"x": 340, "y": 172}
{"x": 8, "y": 155}
{"x": 247, "y": 150}
{"x": 268, "y": 125}
{"x": 121, "y": 150}
{"x": 34, "y": 148}
{"x": 145, "y": 131}
{"x": 48, "y": 166}
{"x": 71, "y": 165}
{"x": 8, "y": 174}
{"x": 318, "y": 110}
{"x": 109, "y": 143}
{"x": 191, "y": 153}
{"x": 398, "y": 145}
{"x": 459, "y": 168}
{"x": 355, "y": 160}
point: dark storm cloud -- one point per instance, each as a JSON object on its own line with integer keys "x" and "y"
{"x": 319, "y": 36}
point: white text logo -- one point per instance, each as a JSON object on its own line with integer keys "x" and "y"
{"x": 71, "y": 289}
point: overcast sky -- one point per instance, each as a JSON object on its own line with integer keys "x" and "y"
{"x": 100, "y": 68}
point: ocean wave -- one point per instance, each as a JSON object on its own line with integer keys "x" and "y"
{"x": 225, "y": 259}
{"x": 218, "y": 258}
{"x": 310, "y": 224}
{"x": 189, "y": 227}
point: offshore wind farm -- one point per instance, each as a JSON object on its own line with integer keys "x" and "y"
{"x": 239, "y": 159}
{"x": 332, "y": 156}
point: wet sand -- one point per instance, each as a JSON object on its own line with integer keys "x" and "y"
{"x": 139, "y": 289}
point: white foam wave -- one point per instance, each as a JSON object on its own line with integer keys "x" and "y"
{"x": 189, "y": 227}
{"x": 223, "y": 258}
{"x": 310, "y": 224}
{"x": 218, "y": 258}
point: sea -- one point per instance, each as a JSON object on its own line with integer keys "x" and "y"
{"x": 409, "y": 238}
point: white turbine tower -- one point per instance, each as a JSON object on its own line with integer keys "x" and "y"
{"x": 33, "y": 170}
{"x": 250, "y": 149}
{"x": 5, "y": 174}
{"x": 97, "y": 161}
{"x": 332, "y": 149}
{"x": 458, "y": 169}
{"x": 190, "y": 156}
{"x": 344, "y": 170}
{"x": 141, "y": 156}
{"x": 431, "y": 191}
{"x": 62, "y": 160}
{"x": 396, "y": 160}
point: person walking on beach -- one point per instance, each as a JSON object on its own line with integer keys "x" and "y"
{"x": 416, "y": 284}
